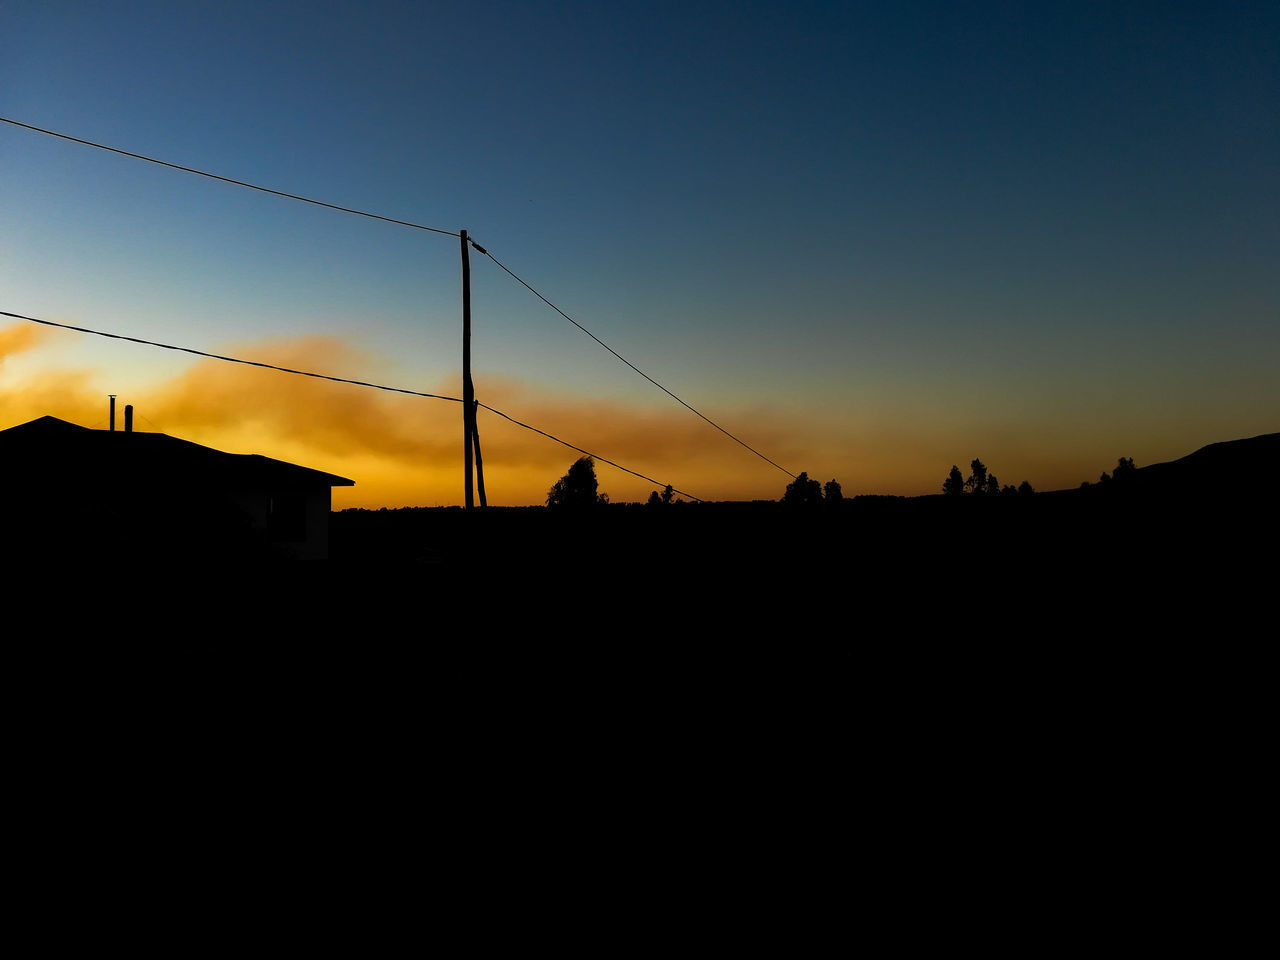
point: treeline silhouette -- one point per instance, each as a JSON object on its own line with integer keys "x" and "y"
{"x": 1208, "y": 504}
{"x": 803, "y": 492}
{"x": 579, "y": 486}
{"x": 980, "y": 483}
{"x": 1123, "y": 474}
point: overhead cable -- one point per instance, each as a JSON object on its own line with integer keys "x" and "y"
{"x": 416, "y": 226}
{"x": 215, "y": 356}
{"x": 238, "y": 183}
{"x": 629, "y": 363}
{"x": 595, "y": 456}
{"x": 357, "y": 383}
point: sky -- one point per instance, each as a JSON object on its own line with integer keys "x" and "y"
{"x": 871, "y": 240}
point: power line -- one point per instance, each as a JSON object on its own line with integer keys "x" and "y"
{"x": 322, "y": 376}
{"x": 521, "y": 281}
{"x": 404, "y": 223}
{"x": 238, "y": 183}
{"x": 587, "y": 452}
{"x": 215, "y": 356}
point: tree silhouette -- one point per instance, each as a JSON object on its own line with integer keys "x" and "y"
{"x": 980, "y": 482}
{"x": 664, "y": 499}
{"x": 1124, "y": 469}
{"x": 832, "y": 492}
{"x": 802, "y": 490}
{"x": 954, "y": 484}
{"x": 577, "y": 488}
{"x": 977, "y": 481}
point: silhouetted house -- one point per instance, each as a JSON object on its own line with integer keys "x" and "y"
{"x": 68, "y": 490}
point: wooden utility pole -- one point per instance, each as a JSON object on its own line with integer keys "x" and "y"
{"x": 468, "y": 390}
{"x": 475, "y": 433}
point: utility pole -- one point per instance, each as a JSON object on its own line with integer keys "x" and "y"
{"x": 468, "y": 390}
{"x": 475, "y": 432}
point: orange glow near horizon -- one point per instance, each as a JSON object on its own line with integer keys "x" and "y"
{"x": 406, "y": 451}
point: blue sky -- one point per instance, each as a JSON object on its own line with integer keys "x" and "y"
{"x": 898, "y": 233}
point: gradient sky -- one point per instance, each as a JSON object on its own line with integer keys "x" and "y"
{"x": 873, "y": 240}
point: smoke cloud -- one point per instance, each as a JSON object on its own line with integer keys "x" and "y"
{"x": 407, "y": 451}
{"x": 404, "y": 450}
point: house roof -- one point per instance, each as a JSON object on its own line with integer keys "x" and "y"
{"x": 70, "y": 452}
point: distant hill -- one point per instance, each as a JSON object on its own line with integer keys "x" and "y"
{"x": 1245, "y": 467}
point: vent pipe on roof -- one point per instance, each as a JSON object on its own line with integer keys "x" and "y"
{"x": 113, "y": 411}
{"x": 128, "y": 418}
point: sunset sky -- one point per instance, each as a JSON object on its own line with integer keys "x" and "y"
{"x": 872, "y": 240}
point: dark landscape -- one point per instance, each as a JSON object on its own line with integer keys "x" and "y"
{"x": 1210, "y": 508}
{"x": 258, "y": 259}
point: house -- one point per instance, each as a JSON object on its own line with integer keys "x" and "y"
{"x": 68, "y": 490}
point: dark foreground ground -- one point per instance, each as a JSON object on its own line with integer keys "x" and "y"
{"x": 977, "y": 541}
{"x": 873, "y": 570}
{"x": 1027, "y": 724}
{"x": 1020, "y": 724}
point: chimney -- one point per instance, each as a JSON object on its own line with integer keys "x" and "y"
{"x": 113, "y": 411}
{"x": 128, "y": 418}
